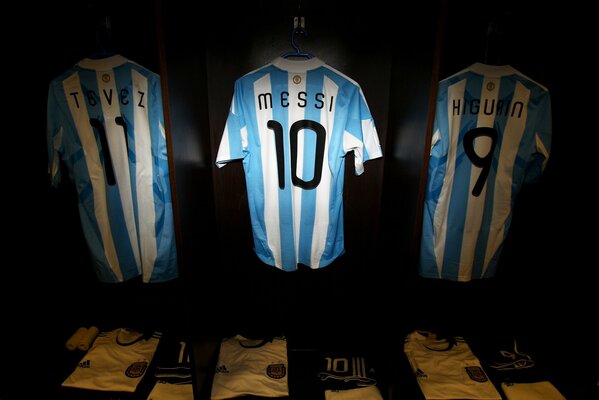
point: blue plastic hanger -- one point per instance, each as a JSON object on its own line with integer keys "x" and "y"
{"x": 298, "y": 52}
{"x": 103, "y": 40}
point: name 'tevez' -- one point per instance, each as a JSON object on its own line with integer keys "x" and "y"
{"x": 124, "y": 97}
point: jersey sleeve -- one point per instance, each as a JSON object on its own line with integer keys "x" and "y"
{"x": 156, "y": 121}
{"x": 54, "y": 136}
{"x": 439, "y": 143}
{"x": 233, "y": 144}
{"x": 360, "y": 133}
{"x": 542, "y": 145}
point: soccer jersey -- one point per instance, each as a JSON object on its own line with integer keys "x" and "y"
{"x": 342, "y": 372}
{"x": 348, "y": 377}
{"x": 447, "y": 369}
{"x": 543, "y": 390}
{"x": 173, "y": 363}
{"x": 363, "y": 393}
{"x": 117, "y": 361}
{"x": 251, "y": 367}
{"x": 171, "y": 391}
{"x": 173, "y": 371}
{"x": 292, "y": 122}
{"x": 492, "y": 133}
{"x": 105, "y": 121}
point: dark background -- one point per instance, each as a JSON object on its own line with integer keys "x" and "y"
{"x": 545, "y": 286}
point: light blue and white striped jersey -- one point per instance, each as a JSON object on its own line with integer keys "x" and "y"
{"x": 492, "y": 133}
{"x": 105, "y": 122}
{"x": 292, "y": 122}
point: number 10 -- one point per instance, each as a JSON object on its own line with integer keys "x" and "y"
{"x": 320, "y": 132}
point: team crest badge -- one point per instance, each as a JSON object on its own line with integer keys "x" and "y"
{"x": 276, "y": 371}
{"x": 106, "y": 78}
{"x": 136, "y": 369}
{"x": 476, "y": 374}
{"x": 297, "y": 79}
{"x": 490, "y": 86}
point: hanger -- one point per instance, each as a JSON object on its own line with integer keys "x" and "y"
{"x": 301, "y": 30}
{"x": 492, "y": 54}
{"x": 495, "y": 43}
{"x": 103, "y": 40}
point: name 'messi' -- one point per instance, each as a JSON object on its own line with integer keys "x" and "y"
{"x": 317, "y": 101}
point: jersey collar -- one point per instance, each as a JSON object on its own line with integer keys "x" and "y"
{"x": 492, "y": 70}
{"x": 102, "y": 64}
{"x": 297, "y": 65}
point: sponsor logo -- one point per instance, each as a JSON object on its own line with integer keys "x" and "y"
{"x": 297, "y": 79}
{"x": 420, "y": 374}
{"x": 106, "y": 78}
{"x": 476, "y": 374}
{"x": 276, "y": 371}
{"x": 136, "y": 369}
{"x": 222, "y": 369}
{"x": 490, "y": 86}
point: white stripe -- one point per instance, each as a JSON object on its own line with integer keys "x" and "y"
{"x": 115, "y": 135}
{"x": 162, "y": 132}
{"x": 476, "y": 204}
{"x": 323, "y": 191}
{"x": 296, "y": 113}
{"x": 224, "y": 151}
{"x": 244, "y": 137}
{"x": 144, "y": 177}
{"x": 434, "y": 140}
{"x": 542, "y": 149}
{"x": 502, "y": 207}
{"x": 371, "y": 139}
{"x": 454, "y": 92}
{"x": 56, "y": 144}
{"x": 269, "y": 171}
{"x": 94, "y": 168}
{"x": 350, "y": 142}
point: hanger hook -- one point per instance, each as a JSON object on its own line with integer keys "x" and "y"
{"x": 297, "y": 30}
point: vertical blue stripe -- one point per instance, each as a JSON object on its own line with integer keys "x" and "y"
{"x": 253, "y": 165}
{"x": 343, "y": 111}
{"x": 279, "y": 83}
{"x": 127, "y": 103}
{"x": 165, "y": 265}
{"x": 506, "y": 91}
{"x": 116, "y": 217}
{"x": 314, "y": 84}
{"x": 429, "y": 265}
{"x": 75, "y": 162}
{"x": 460, "y": 193}
{"x": 524, "y": 158}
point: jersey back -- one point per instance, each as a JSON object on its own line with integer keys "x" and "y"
{"x": 492, "y": 133}
{"x": 292, "y": 122}
{"x": 105, "y": 122}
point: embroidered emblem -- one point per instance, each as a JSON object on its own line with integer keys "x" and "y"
{"x": 136, "y": 369}
{"x": 276, "y": 371}
{"x": 476, "y": 374}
